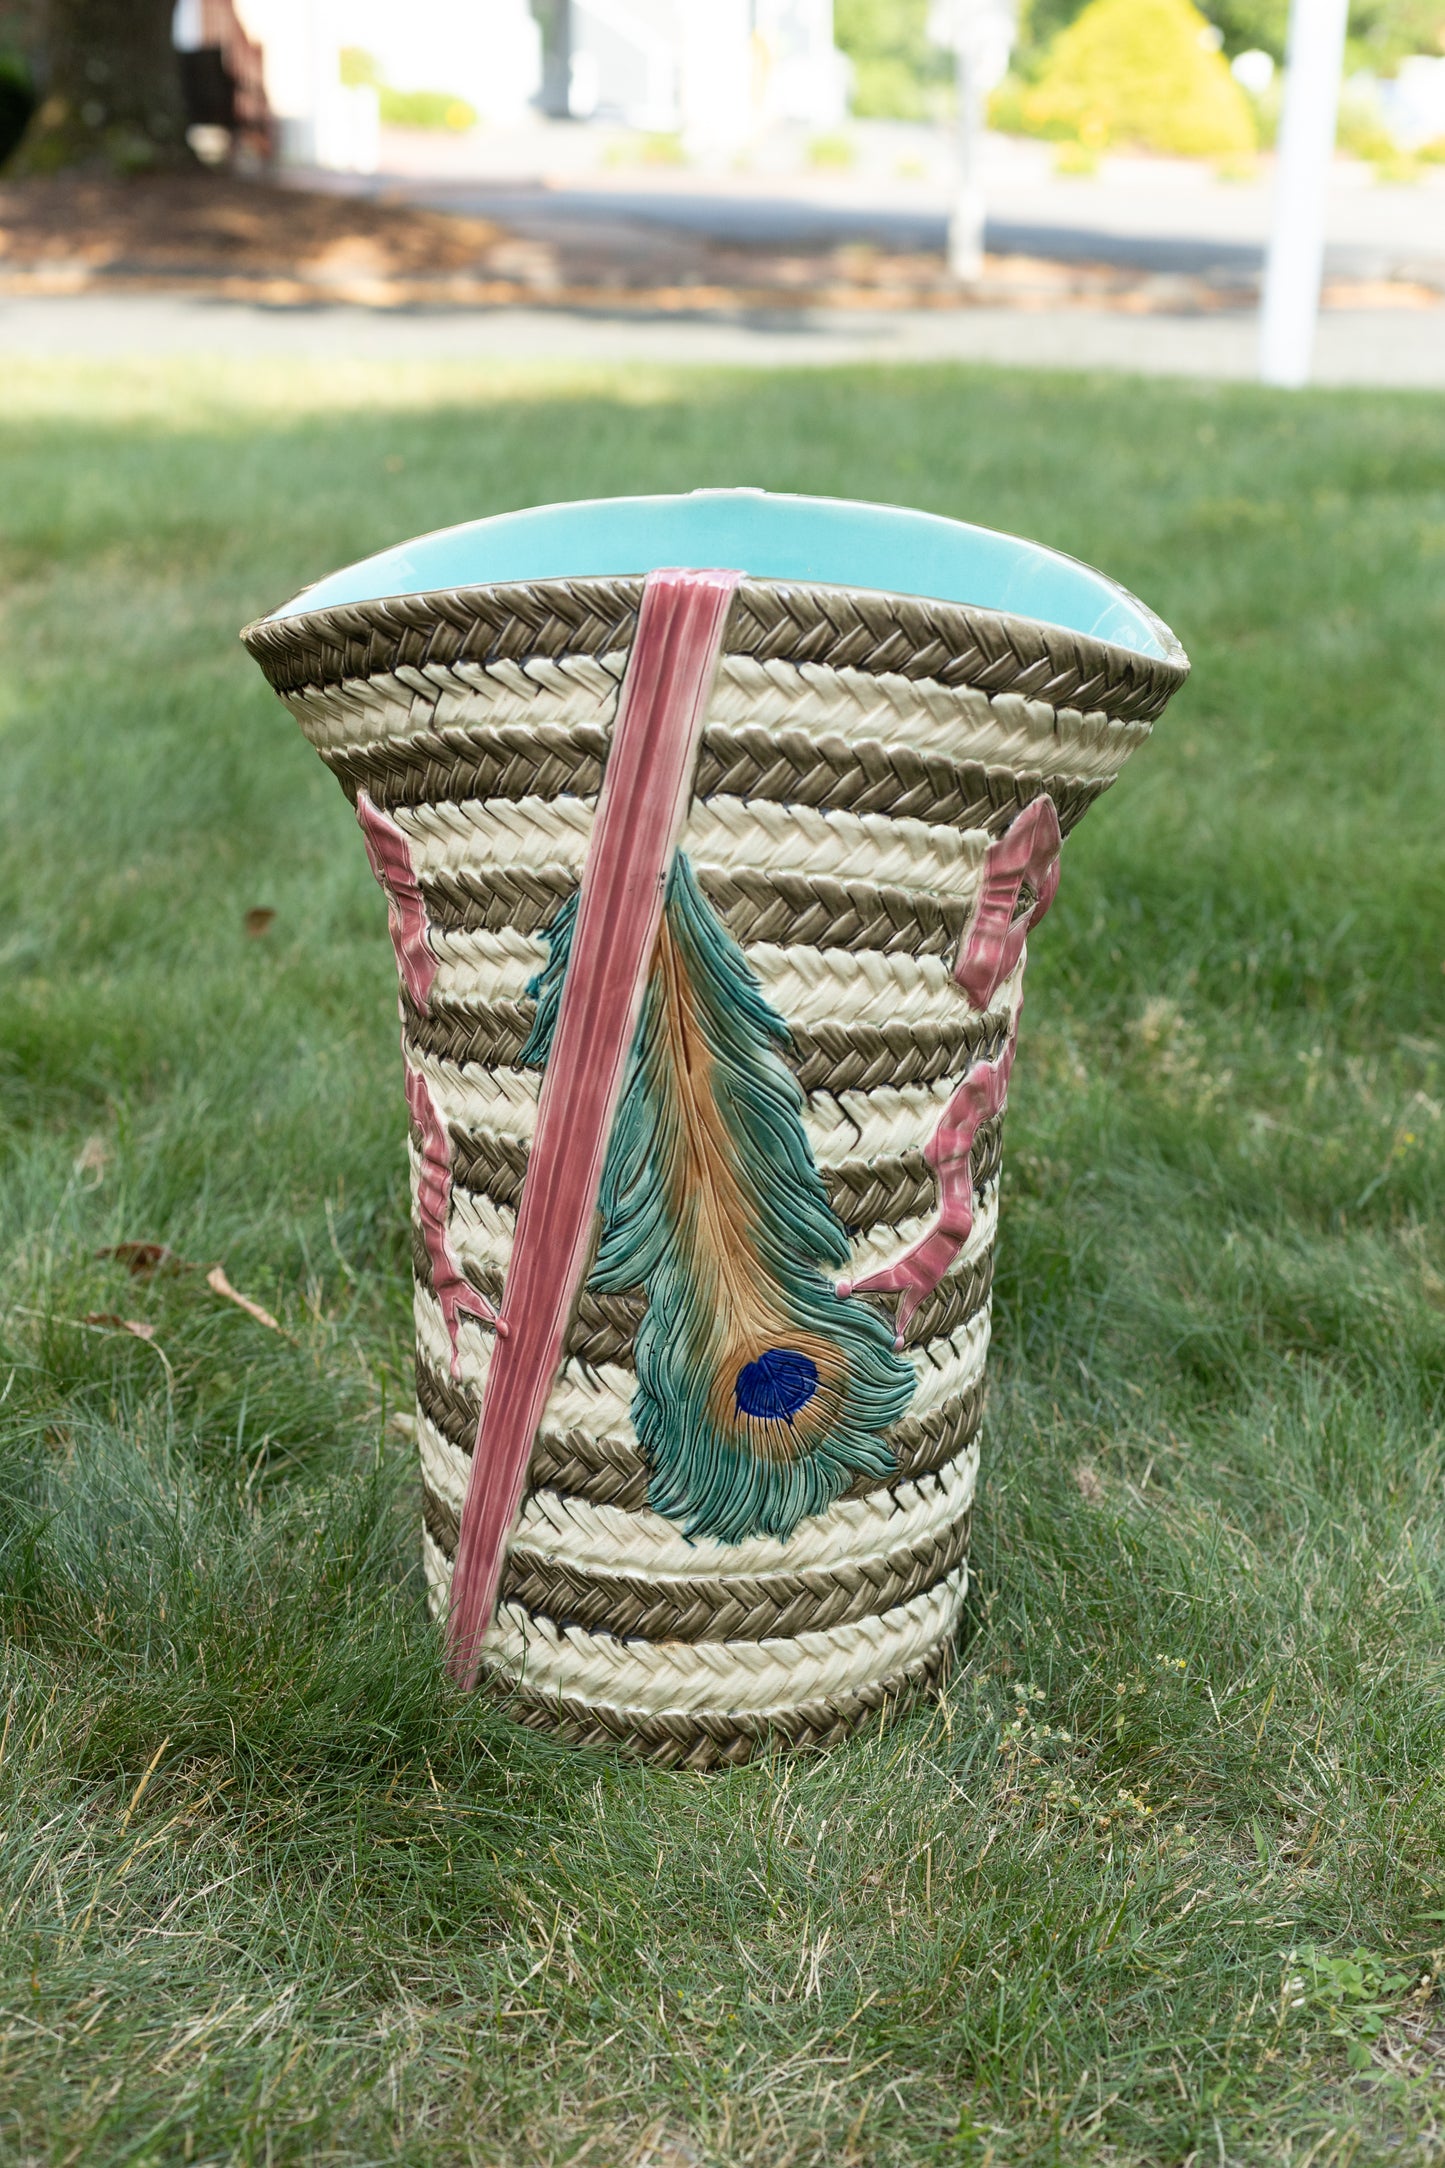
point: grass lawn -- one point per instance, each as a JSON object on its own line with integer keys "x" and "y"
{"x": 1161, "y": 1879}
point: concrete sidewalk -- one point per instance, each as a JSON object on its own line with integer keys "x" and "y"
{"x": 1395, "y": 348}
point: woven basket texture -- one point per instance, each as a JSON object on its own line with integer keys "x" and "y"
{"x": 860, "y": 753}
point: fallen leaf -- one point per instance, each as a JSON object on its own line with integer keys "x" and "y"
{"x": 216, "y": 1280}
{"x": 108, "y": 1321}
{"x": 142, "y": 1259}
{"x": 259, "y": 919}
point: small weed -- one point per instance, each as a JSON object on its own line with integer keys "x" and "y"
{"x": 1353, "y": 1996}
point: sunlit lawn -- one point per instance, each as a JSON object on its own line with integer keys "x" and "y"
{"x": 1160, "y": 1879}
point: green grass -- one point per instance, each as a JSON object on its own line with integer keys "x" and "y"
{"x": 269, "y": 1890}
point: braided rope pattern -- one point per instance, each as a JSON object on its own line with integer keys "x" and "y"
{"x": 483, "y": 625}
{"x": 840, "y": 628}
{"x": 959, "y": 723}
{"x": 825, "y": 1057}
{"x": 603, "y": 1327}
{"x": 547, "y": 760}
{"x": 884, "y": 1190}
{"x": 720, "y": 834}
{"x": 600, "y": 1396}
{"x": 849, "y": 628}
{"x": 805, "y": 985}
{"x": 801, "y": 909}
{"x": 863, "y": 1529}
{"x": 878, "y": 1124}
{"x": 394, "y": 705}
{"x": 860, "y": 1530}
{"x": 742, "y": 1607}
{"x": 606, "y": 1469}
{"x": 490, "y": 899}
{"x": 704, "y": 1740}
{"x": 755, "y": 1676}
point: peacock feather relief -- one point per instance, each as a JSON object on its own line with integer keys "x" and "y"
{"x": 761, "y": 1394}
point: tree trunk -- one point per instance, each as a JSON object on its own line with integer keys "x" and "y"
{"x": 112, "y": 89}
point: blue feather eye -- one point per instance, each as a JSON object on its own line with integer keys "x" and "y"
{"x": 776, "y": 1385}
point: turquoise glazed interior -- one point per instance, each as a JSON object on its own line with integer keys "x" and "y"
{"x": 823, "y": 540}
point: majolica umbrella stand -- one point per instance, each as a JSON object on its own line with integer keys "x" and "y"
{"x": 712, "y": 829}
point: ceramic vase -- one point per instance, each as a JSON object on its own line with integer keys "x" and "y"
{"x": 745, "y": 1474}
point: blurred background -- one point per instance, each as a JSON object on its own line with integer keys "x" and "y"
{"x": 1064, "y": 180}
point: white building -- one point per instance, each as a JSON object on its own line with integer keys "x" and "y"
{"x": 487, "y": 53}
{"x": 714, "y": 72}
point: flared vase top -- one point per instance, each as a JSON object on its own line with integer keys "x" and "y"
{"x": 813, "y": 541}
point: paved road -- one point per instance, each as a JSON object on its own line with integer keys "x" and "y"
{"x": 787, "y": 221}
{"x": 1401, "y": 348}
{"x": 1151, "y": 214}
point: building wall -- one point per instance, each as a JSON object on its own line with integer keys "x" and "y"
{"x": 713, "y": 71}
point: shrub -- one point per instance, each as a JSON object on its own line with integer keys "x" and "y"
{"x": 898, "y": 72}
{"x": 1143, "y": 72}
{"x": 426, "y": 109}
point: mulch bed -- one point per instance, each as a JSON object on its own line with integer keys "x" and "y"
{"x": 234, "y": 238}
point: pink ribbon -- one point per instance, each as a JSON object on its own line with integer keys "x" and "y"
{"x": 993, "y": 941}
{"x": 989, "y": 952}
{"x": 390, "y": 856}
{"x": 645, "y": 792}
{"x": 918, "y": 1269}
{"x": 455, "y": 1294}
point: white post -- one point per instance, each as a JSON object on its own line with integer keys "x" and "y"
{"x": 981, "y": 33}
{"x": 965, "y": 223}
{"x": 1295, "y": 261}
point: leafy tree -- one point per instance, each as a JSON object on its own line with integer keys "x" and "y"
{"x": 1381, "y": 32}
{"x": 898, "y": 73}
{"x": 112, "y": 89}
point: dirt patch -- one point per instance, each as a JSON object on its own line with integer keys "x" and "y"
{"x": 210, "y": 226}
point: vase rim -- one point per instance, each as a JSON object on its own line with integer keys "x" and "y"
{"x": 822, "y": 541}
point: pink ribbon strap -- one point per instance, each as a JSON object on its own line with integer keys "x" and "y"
{"x": 993, "y": 942}
{"x": 645, "y": 792}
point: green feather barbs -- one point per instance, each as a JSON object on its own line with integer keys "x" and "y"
{"x": 760, "y": 1394}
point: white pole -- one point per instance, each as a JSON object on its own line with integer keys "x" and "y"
{"x": 965, "y": 224}
{"x": 981, "y": 33}
{"x": 1306, "y": 146}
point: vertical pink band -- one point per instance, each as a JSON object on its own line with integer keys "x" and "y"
{"x": 645, "y": 794}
